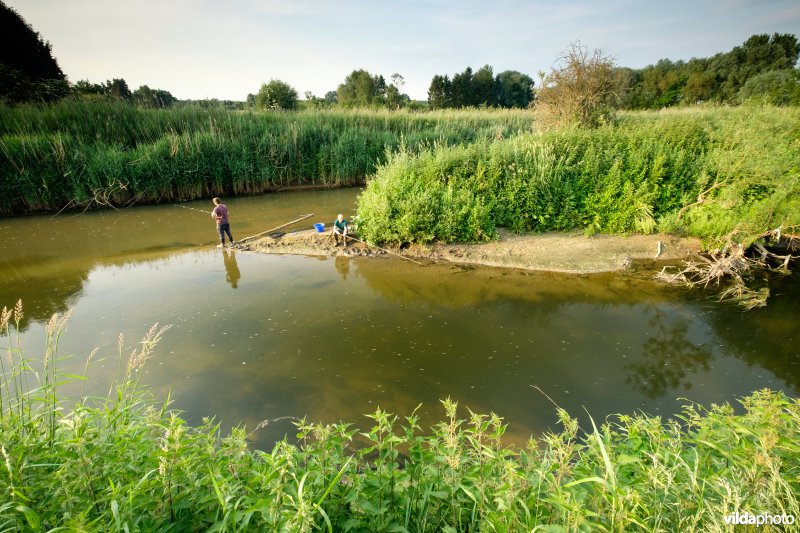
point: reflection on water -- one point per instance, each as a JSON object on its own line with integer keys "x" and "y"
{"x": 342, "y": 266}
{"x": 46, "y": 260}
{"x": 333, "y": 338}
{"x": 669, "y": 357}
{"x": 232, "y": 274}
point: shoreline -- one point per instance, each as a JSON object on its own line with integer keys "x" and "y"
{"x": 570, "y": 253}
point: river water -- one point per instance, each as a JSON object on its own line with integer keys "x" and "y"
{"x": 258, "y": 337}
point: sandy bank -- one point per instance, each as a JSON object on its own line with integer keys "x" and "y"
{"x": 553, "y": 252}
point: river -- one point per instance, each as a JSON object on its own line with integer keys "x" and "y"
{"x": 258, "y": 337}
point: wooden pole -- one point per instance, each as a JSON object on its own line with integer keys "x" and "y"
{"x": 251, "y": 237}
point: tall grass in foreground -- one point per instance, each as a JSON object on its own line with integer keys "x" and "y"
{"x": 715, "y": 173}
{"x": 125, "y": 462}
{"x": 73, "y": 151}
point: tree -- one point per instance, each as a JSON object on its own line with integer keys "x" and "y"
{"x": 87, "y": 88}
{"x": 395, "y": 98}
{"x": 313, "y": 101}
{"x": 361, "y": 89}
{"x": 440, "y": 93}
{"x": 759, "y": 53}
{"x": 514, "y": 89}
{"x": 398, "y": 81}
{"x": 331, "y": 98}
{"x": 483, "y": 88}
{"x": 28, "y": 70}
{"x": 152, "y": 98}
{"x": 276, "y": 95}
{"x": 776, "y": 87}
{"x": 461, "y": 89}
{"x": 579, "y": 91}
{"x": 118, "y": 88}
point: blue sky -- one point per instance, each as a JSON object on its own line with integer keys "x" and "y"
{"x": 226, "y": 49}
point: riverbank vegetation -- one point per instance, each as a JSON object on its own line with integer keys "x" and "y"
{"x": 79, "y": 153}
{"x": 716, "y": 173}
{"x": 126, "y": 461}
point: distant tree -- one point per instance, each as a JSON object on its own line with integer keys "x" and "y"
{"x": 312, "y": 101}
{"x": 394, "y": 92}
{"x": 440, "y": 93}
{"x": 579, "y": 91}
{"x": 514, "y": 89}
{"x": 759, "y": 53}
{"x": 398, "y": 80}
{"x": 393, "y": 100}
{"x": 483, "y": 87}
{"x": 276, "y": 95}
{"x": 28, "y": 70}
{"x": 776, "y": 87}
{"x": 461, "y": 89}
{"x": 87, "y": 88}
{"x": 152, "y": 98}
{"x": 331, "y": 98}
{"x": 251, "y": 100}
{"x": 118, "y": 88}
{"x": 361, "y": 89}
{"x": 719, "y": 78}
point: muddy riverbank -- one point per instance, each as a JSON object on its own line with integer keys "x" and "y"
{"x": 550, "y": 252}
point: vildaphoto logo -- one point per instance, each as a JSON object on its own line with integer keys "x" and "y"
{"x": 759, "y": 519}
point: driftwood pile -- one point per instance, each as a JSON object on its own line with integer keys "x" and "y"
{"x": 734, "y": 268}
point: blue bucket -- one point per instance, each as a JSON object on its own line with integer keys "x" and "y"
{"x": 320, "y": 227}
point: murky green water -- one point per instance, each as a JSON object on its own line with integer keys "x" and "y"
{"x": 259, "y": 337}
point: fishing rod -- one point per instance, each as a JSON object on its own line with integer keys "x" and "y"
{"x": 383, "y": 250}
{"x": 193, "y": 209}
{"x": 251, "y": 237}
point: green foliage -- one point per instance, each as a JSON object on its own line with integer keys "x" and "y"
{"x": 276, "y": 95}
{"x": 642, "y": 174}
{"x": 721, "y": 78}
{"x": 125, "y": 462}
{"x": 776, "y": 87}
{"x": 612, "y": 180}
{"x": 361, "y": 89}
{"x": 68, "y": 152}
{"x": 514, "y": 89}
{"x": 440, "y": 93}
{"x": 152, "y": 98}
{"x": 481, "y": 89}
{"x": 28, "y": 70}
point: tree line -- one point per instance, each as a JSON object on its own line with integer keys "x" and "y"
{"x": 764, "y": 67}
{"x": 481, "y": 89}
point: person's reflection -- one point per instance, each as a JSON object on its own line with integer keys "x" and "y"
{"x": 232, "y": 274}
{"x": 342, "y": 266}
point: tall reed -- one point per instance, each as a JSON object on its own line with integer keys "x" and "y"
{"x": 78, "y": 153}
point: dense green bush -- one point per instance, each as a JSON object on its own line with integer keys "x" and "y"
{"x": 639, "y": 175}
{"x": 128, "y": 463}
{"x": 75, "y": 151}
{"x": 604, "y": 180}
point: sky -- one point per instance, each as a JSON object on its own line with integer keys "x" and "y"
{"x": 227, "y": 48}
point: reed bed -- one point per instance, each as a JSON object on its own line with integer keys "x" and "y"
{"x": 127, "y": 462}
{"x": 89, "y": 153}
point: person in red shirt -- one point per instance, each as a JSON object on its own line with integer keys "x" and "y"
{"x": 220, "y": 214}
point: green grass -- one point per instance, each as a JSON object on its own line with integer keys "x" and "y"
{"x": 82, "y": 152}
{"x": 641, "y": 174}
{"x": 126, "y": 462}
